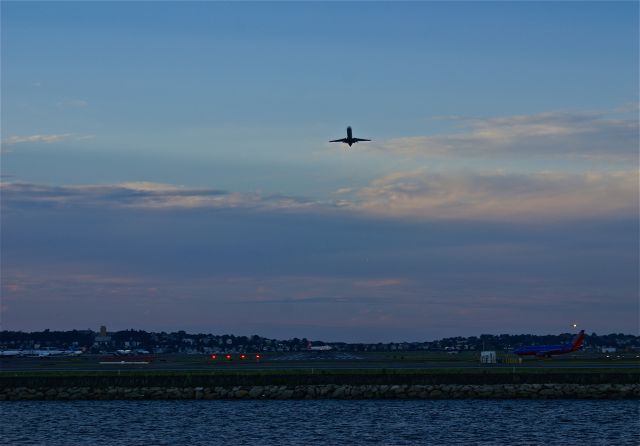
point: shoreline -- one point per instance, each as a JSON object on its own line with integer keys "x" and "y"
{"x": 614, "y": 384}
{"x": 329, "y": 391}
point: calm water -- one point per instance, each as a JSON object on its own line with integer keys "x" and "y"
{"x": 574, "y": 422}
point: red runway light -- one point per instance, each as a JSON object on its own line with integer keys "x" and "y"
{"x": 257, "y": 356}
{"x": 214, "y": 356}
{"x": 243, "y": 356}
{"x": 228, "y": 357}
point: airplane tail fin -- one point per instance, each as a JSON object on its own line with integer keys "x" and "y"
{"x": 578, "y": 341}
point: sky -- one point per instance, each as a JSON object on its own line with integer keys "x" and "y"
{"x": 166, "y": 166}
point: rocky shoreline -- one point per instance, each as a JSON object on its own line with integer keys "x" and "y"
{"x": 329, "y": 391}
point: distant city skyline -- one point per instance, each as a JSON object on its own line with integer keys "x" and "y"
{"x": 73, "y": 342}
{"x": 167, "y": 166}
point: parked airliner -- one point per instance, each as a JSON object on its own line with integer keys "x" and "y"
{"x": 319, "y": 348}
{"x": 545, "y": 351}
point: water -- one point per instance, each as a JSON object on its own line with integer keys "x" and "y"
{"x": 386, "y": 422}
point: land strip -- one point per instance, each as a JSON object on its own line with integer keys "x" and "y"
{"x": 344, "y": 384}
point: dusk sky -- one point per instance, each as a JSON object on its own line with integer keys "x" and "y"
{"x": 166, "y": 166}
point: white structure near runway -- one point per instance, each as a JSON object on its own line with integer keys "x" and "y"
{"x": 488, "y": 357}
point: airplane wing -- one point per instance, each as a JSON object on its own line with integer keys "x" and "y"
{"x": 340, "y": 140}
{"x": 360, "y": 139}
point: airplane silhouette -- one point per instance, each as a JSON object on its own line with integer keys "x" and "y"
{"x": 349, "y": 139}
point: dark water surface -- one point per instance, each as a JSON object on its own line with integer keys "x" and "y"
{"x": 387, "y": 422}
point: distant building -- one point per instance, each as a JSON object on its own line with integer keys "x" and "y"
{"x": 488, "y": 357}
{"x": 511, "y": 359}
{"x": 102, "y": 339}
{"x": 608, "y": 349}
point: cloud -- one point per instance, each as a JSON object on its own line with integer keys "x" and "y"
{"x": 419, "y": 194}
{"x": 47, "y": 139}
{"x": 555, "y": 134}
{"x": 378, "y": 283}
{"x": 145, "y": 195}
{"x": 500, "y": 196}
{"x": 631, "y": 107}
{"x": 10, "y": 142}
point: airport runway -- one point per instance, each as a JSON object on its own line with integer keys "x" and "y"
{"x": 203, "y": 364}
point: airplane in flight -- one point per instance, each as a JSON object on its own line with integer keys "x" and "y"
{"x": 349, "y": 139}
{"x": 545, "y": 351}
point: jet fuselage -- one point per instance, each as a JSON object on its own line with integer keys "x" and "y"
{"x": 548, "y": 350}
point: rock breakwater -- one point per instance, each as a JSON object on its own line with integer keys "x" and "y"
{"x": 329, "y": 391}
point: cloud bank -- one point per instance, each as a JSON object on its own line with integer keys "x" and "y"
{"x": 491, "y": 196}
{"x": 550, "y": 134}
{"x": 500, "y": 196}
{"x": 144, "y": 195}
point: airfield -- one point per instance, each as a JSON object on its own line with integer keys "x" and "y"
{"x": 311, "y": 375}
{"x": 311, "y": 362}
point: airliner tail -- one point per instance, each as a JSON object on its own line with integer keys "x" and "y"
{"x": 578, "y": 341}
